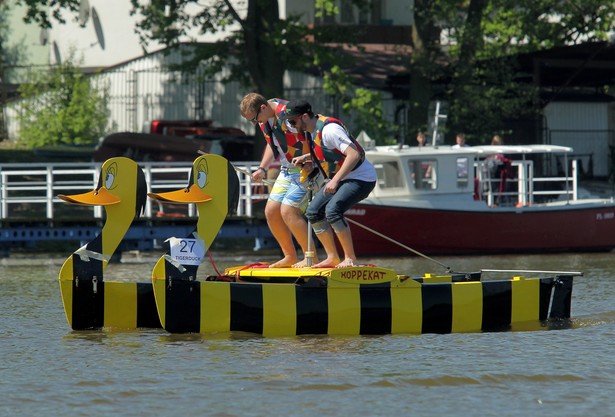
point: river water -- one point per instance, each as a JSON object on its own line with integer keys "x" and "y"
{"x": 48, "y": 370}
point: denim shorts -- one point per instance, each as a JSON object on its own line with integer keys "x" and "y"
{"x": 289, "y": 190}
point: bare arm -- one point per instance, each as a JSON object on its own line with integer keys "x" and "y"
{"x": 266, "y": 160}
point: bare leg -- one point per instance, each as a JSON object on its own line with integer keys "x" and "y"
{"x": 328, "y": 242}
{"x": 298, "y": 226}
{"x": 281, "y": 233}
{"x": 345, "y": 239}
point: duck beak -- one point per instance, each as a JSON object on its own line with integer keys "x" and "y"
{"x": 193, "y": 194}
{"x": 100, "y": 197}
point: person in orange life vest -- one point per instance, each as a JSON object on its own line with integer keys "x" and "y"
{"x": 288, "y": 196}
{"x": 349, "y": 178}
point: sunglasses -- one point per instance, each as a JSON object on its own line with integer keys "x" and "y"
{"x": 254, "y": 120}
{"x": 293, "y": 122}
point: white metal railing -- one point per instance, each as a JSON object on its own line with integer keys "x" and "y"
{"x": 525, "y": 184}
{"x": 40, "y": 183}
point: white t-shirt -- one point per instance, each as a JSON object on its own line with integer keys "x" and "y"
{"x": 334, "y": 136}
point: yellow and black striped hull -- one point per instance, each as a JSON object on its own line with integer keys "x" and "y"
{"x": 342, "y": 302}
{"x": 93, "y": 305}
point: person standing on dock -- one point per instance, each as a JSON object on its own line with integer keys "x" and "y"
{"x": 288, "y": 196}
{"x": 349, "y": 178}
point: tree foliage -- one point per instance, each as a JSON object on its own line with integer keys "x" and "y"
{"x": 257, "y": 47}
{"x": 45, "y": 12}
{"x": 261, "y": 49}
{"x": 62, "y": 107}
{"x": 364, "y": 105}
{"x": 10, "y": 55}
{"x": 463, "y": 51}
{"x": 486, "y": 35}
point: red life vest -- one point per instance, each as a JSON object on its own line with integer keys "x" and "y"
{"x": 331, "y": 160}
{"x": 293, "y": 144}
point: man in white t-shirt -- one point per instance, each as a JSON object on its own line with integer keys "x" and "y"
{"x": 349, "y": 178}
{"x": 460, "y": 141}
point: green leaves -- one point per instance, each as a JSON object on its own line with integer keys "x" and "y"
{"x": 487, "y": 88}
{"x": 364, "y": 106}
{"x": 325, "y": 8}
{"x": 62, "y": 107}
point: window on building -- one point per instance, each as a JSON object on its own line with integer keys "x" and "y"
{"x": 369, "y": 12}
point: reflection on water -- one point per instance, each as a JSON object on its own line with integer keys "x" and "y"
{"x": 48, "y": 369}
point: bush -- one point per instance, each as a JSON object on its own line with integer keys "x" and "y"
{"x": 62, "y": 107}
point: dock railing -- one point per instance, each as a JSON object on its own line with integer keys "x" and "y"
{"x": 31, "y": 190}
{"x": 35, "y": 187}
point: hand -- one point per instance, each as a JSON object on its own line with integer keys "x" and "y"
{"x": 330, "y": 187}
{"x": 258, "y": 175}
{"x": 300, "y": 160}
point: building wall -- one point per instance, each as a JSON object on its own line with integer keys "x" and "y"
{"x": 105, "y": 36}
{"x": 26, "y": 41}
{"x": 141, "y": 91}
{"x": 584, "y": 126}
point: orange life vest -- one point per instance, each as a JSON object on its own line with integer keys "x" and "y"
{"x": 331, "y": 160}
{"x": 293, "y": 144}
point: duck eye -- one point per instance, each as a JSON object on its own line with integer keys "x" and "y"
{"x": 110, "y": 175}
{"x": 201, "y": 179}
{"x": 109, "y": 180}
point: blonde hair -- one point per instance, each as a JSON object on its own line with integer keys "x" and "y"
{"x": 251, "y": 103}
{"x": 496, "y": 140}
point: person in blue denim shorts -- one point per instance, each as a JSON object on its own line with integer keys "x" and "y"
{"x": 288, "y": 196}
{"x": 349, "y": 178}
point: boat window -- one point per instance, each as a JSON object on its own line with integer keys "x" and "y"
{"x": 424, "y": 174}
{"x": 388, "y": 174}
{"x": 462, "y": 172}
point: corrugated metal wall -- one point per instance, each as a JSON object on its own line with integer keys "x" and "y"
{"x": 142, "y": 90}
{"x": 585, "y": 128}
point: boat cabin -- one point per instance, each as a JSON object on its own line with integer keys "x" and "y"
{"x": 497, "y": 175}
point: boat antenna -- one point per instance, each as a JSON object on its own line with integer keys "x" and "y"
{"x": 408, "y": 248}
{"x": 436, "y": 122}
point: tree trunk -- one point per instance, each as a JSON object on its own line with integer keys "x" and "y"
{"x": 471, "y": 41}
{"x": 265, "y": 67}
{"x": 424, "y": 38}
